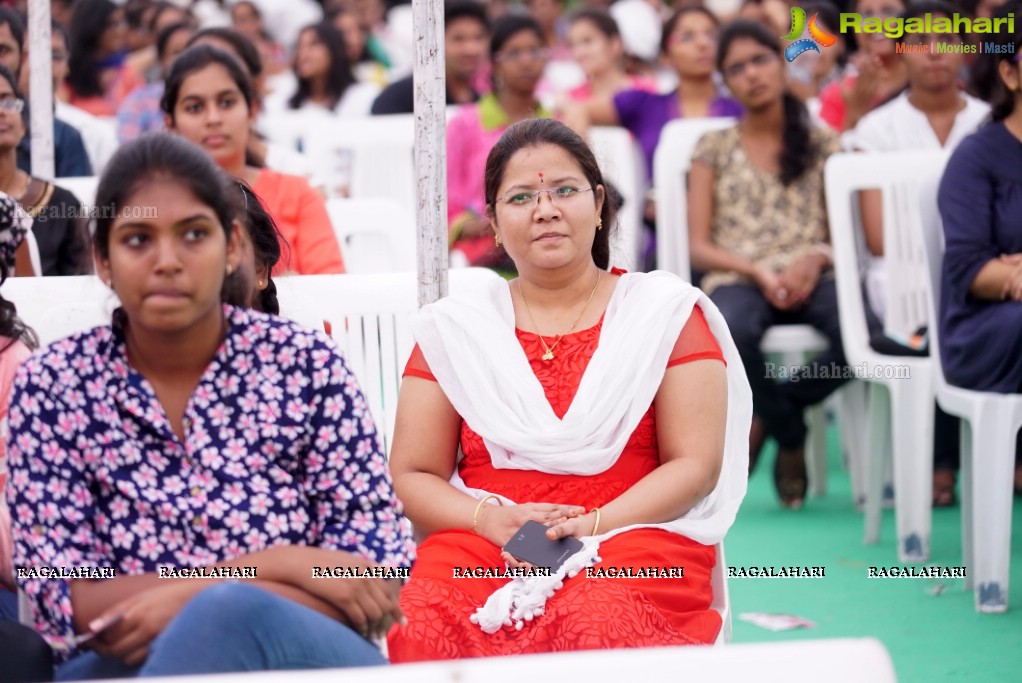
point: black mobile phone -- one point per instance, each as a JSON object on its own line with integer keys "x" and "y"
{"x": 530, "y": 544}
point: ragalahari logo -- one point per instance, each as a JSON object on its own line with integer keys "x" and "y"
{"x": 817, "y": 35}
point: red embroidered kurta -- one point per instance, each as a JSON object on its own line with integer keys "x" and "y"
{"x": 586, "y": 613}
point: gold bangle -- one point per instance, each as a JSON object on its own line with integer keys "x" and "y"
{"x": 475, "y": 517}
{"x": 597, "y": 525}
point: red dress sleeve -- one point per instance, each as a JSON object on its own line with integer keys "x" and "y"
{"x": 695, "y": 342}
{"x": 417, "y": 366}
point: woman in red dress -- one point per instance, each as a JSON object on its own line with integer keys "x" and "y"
{"x": 551, "y": 385}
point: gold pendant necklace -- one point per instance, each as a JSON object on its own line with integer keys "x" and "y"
{"x": 549, "y": 355}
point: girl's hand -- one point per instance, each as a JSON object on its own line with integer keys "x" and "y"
{"x": 576, "y": 527}
{"x": 800, "y": 279}
{"x": 139, "y": 619}
{"x": 499, "y": 523}
{"x": 369, "y": 605}
{"x": 772, "y": 288}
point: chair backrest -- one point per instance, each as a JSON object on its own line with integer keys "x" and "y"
{"x": 671, "y": 163}
{"x": 620, "y": 160}
{"x": 898, "y": 176}
{"x": 369, "y": 319}
{"x": 370, "y": 156}
{"x": 82, "y": 187}
{"x": 33, "y": 253}
{"x": 379, "y": 151}
{"x": 721, "y": 597}
{"x": 930, "y": 233}
{"x": 376, "y": 235}
{"x": 56, "y": 307}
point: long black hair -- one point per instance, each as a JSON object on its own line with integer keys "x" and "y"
{"x": 266, "y": 240}
{"x": 160, "y": 157}
{"x": 798, "y": 152}
{"x": 339, "y": 76}
{"x": 535, "y": 132}
{"x": 88, "y": 23}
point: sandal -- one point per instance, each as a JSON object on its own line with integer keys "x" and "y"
{"x": 790, "y": 476}
{"x": 757, "y": 438}
{"x": 944, "y": 488}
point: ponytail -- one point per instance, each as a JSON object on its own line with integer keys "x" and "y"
{"x": 268, "y": 298}
{"x": 797, "y": 150}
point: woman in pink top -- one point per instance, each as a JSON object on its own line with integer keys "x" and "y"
{"x": 519, "y": 57}
{"x": 208, "y": 99}
{"x": 596, "y": 46}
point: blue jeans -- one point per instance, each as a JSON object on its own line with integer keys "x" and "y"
{"x": 8, "y": 605}
{"x": 235, "y": 627}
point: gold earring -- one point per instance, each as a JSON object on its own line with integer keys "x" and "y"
{"x": 259, "y": 283}
{"x": 496, "y": 239}
{"x": 599, "y": 223}
{"x": 230, "y": 269}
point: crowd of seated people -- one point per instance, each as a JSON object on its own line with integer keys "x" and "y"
{"x": 202, "y": 430}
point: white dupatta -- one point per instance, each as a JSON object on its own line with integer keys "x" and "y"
{"x": 470, "y": 346}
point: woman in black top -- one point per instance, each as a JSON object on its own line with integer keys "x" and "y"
{"x": 58, "y": 228}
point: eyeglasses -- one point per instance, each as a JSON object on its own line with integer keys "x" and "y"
{"x": 735, "y": 70}
{"x": 12, "y": 104}
{"x": 535, "y": 54}
{"x": 530, "y": 198}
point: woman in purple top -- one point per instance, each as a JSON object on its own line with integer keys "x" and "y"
{"x": 980, "y": 202}
{"x": 689, "y": 42}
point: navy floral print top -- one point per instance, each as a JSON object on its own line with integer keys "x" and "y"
{"x": 279, "y": 449}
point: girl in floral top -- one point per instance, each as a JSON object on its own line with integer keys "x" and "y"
{"x": 186, "y": 434}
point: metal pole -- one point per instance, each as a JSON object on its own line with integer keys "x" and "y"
{"x": 41, "y": 88}
{"x": 430, "y": 149}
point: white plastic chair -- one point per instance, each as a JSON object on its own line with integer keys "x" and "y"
{"x": 33, "y": 253}
{"x": 82, "y": 187}
{"x": 990, "y": 424}
{"x": 901, "y": 407}
{"x": 381, "y": 156}
{"x": 792, "y": 343}
{"x": 620, "y": 160}
{"x": 671, "y": 164}
{"x": 350, "y": 157}
{"x": 846, "y": 660}
{"x": 56, "y": 307}
{"x": 369, "y": 320}
{"x": 376, "y": 235}
{"x": 721, "y": 596}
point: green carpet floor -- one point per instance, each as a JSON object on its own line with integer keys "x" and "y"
{"x": 930, "y": 637}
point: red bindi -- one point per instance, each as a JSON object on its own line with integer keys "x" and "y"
{"x": 541, "y": 177}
